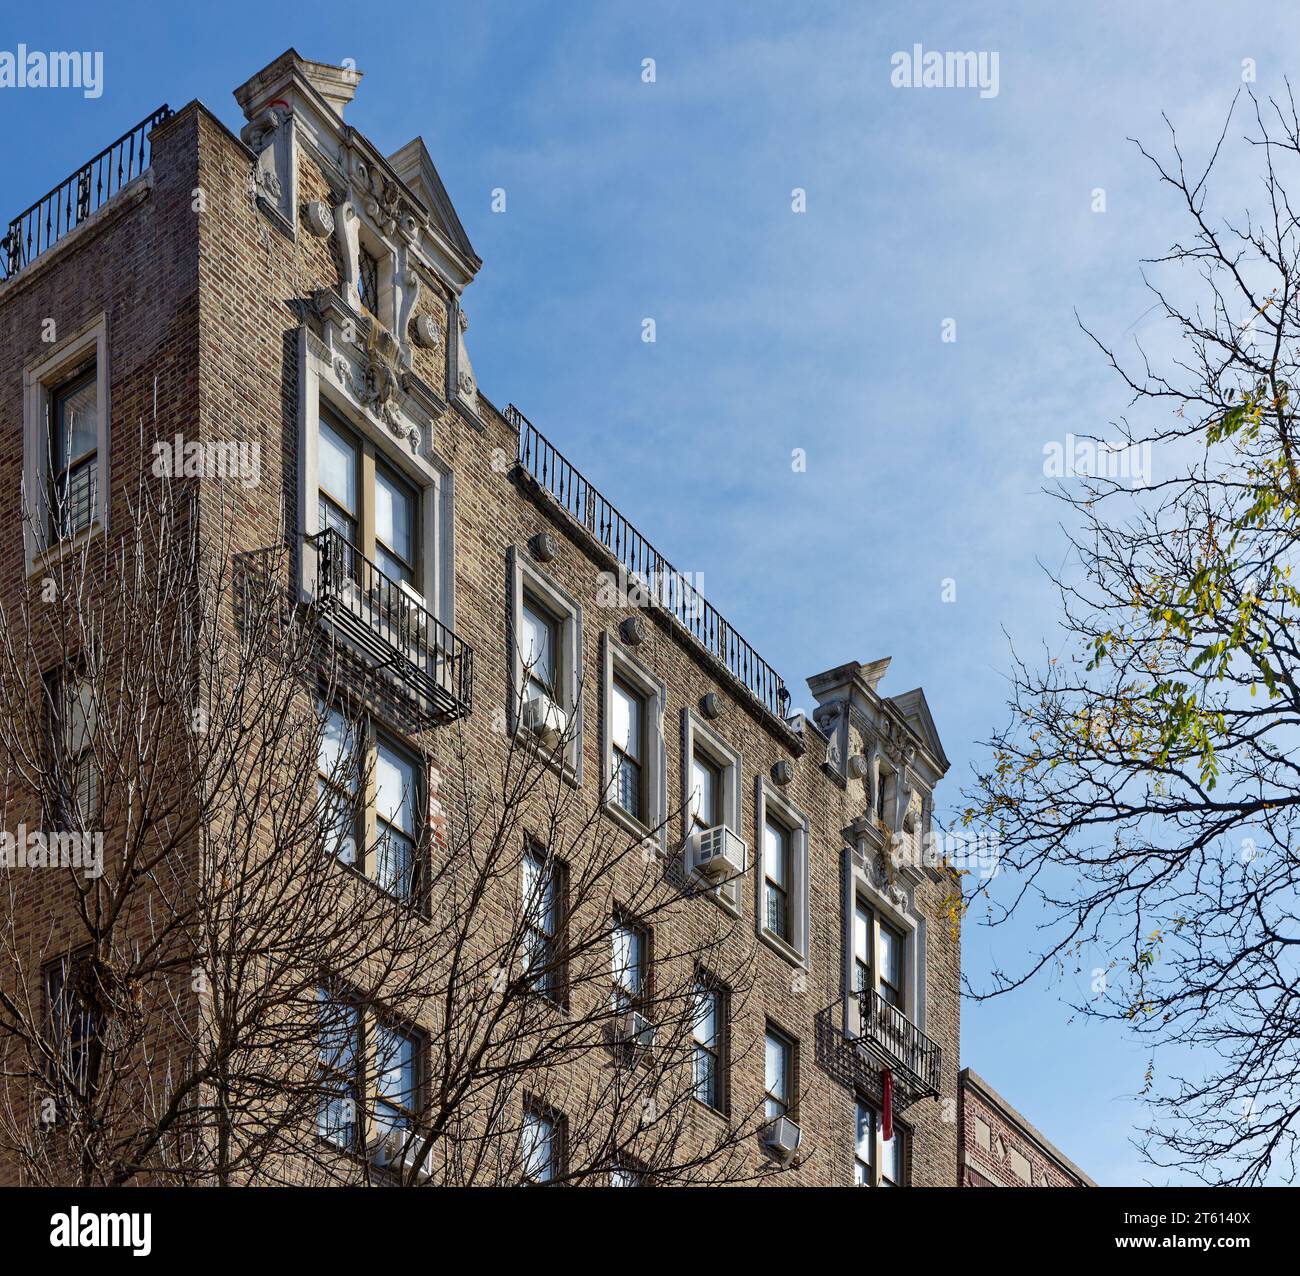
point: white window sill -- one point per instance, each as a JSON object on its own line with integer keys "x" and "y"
{"x": 782, "y": 947}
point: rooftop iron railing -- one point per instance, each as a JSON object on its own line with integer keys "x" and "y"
{"x": 658, "y": 578}
{"x": 74, "y": 199}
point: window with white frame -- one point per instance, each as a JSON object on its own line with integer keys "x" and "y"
{"x": 65, "y": 443}
{"x": 338, "y": 772}
{"x": 876, "y": 1162}
{"x": 709, "y": 1043}
{"x": 543, "y": 888}
{"x": 397, "y": 819}
{"x": 397, "y": 1080}
{"x": 781, "y": 878}
{"x": 546, "y": 665}
{"x": 779, "y": 1079}
{"x": 634, "y": 751}
{"x": 542, "y": 1145}
{"x": 711, "y": 785}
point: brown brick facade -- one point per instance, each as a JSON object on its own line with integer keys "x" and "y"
{"x": 213, "y": 306}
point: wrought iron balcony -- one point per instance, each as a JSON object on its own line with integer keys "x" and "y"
{"x": 388, "y": 623}
{"x": 74, "y": 199}
{"x": 664, "y": 583}
{"x": 897, "y": 1043}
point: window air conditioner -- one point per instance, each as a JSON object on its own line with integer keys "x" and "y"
{"x": 545, "y": 719}
{"x": 395, "y": 1150}
{"x": 783, "y": 1136}
{"x": 635, "y": 1029}
{"x": 717, "y": 852}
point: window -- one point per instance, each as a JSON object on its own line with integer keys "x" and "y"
{"x": 73, "y": 454}
{"x": 635, "y": 757}
{"x": 631, "y": 951}
{"x": 876, "y": 1163}
{"x": 706, "y": 793}
{"x": 366, "y": 1062}
{"x": 542, "y": 923}
{"x": 864, "y": 1149}
{"x": 776, "y": 879}
{"x": 543, "y": 1137}
{"x": 778, "y": 1074}
{"x": 73, "y": 1025}
{"x": 879, "y": 956}
{"x": 396, "y": 1081}
{"x": 70, "y": 707}
{"x": 382, "y": 834}
{"x": 337, "y": 772}
{"x": 540, "y": 641}
{"x": 781, "y": 879}
{"x": 545, "y": 630}
{"x": 629, "y": 749}
{"x": 624, "y": 1174}
{"x": 340, "y": 1063}
{"x": 376, "y": 512}
{"x": 368, "y": 280}
{"x": 709, "y": 1035}
{"x": 65, "y": 443}
{"x": 891, "y": 965}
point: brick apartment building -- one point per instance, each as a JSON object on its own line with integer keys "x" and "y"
{"x": 294, "y": 289}
{"x": 999, "y": 1148}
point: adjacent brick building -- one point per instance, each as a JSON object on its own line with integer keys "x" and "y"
{"x": 295, "y": 289}
{"x": 999, "y": 1148}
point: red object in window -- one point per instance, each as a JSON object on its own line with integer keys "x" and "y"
{"x": 887, "y": 1105}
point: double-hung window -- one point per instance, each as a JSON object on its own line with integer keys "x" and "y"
{"x": 338, "y": 1118}
{"x": 71, "y": 727}
{"x": 879, "y": 952}
{"x": 628, "y": 744}
{"x": 778, "y": 1074}
{"x": 338, "y": 501}
{"x": 338, "y": 770}
{"x": 776, "y": 878}
{"x": 397, "y": 1081}
{"x": 397, "y": 790}
{"x": 876, "y": 1163}
{"x": 539, "y": 645}
{"x": 709, "y": 1036}
{"x": 73, "y": 454}
{"x": 542, "y": 914}
{"x": 630, "y": 961}
{"x": 73, "y": 1027}
{"x": 395, "y": 526}
{"x": 543, "y": 1146}
{"x": 706, "y": 796}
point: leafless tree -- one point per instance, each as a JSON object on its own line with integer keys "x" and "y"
{"x": 220, "y": 992}
{"x": 1147, "y": 788}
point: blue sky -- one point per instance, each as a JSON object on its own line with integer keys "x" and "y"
{"x": 776, "y": 330}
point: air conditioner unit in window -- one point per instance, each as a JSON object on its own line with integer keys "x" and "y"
{"x": 783, "y": 1137}
{"x": 413, "y": 609}
{"x": 718, "y": 852}
{"x": 395, "y": 1150}
{"x": 636, "y": 1030}
{"x": 545, "y": 719}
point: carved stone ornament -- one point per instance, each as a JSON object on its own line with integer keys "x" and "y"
{"x": 427, "y": 332}
{"x": 634, "y": 630}
{"x": 858, "y": 766}
{"x": 318, "y": 217}
{"x": 782, "y": 772}
{"x": 379, "y": 384}
{"x": 544, "y": 547}
{"x": 711, "y": 705}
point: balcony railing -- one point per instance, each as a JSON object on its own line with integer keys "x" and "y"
{"x": 74, "y": 199}
{"x": 388, "y": 622}
{"x": 899, "y": 1044}
{"x": 660, "y": 580}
